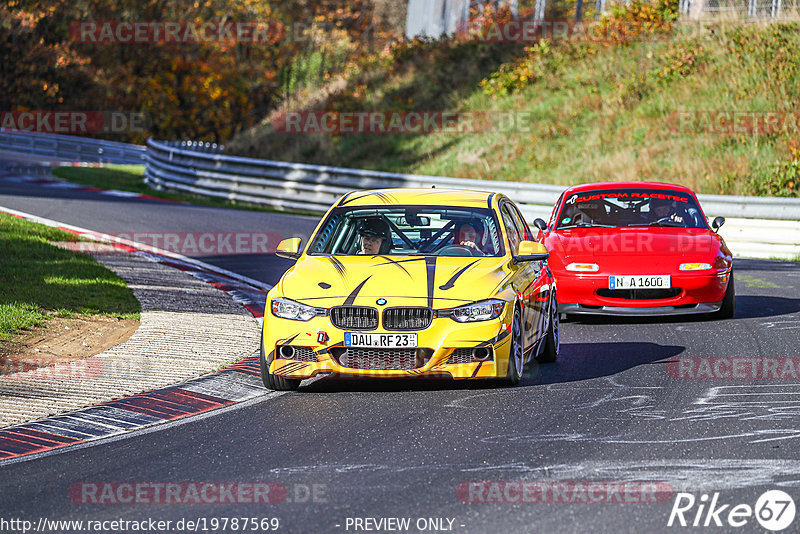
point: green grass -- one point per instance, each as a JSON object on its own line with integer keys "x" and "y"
{"x": 131, "y": 178}
{"x": 597, "y": 112}
{"x": 40, "y": 280}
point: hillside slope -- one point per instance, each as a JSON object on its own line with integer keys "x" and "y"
{"x": 713, "y": 106}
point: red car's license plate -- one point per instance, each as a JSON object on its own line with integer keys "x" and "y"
{"x": 639, "y": 282}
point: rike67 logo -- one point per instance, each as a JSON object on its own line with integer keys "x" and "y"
{"x": 774, "y": 510}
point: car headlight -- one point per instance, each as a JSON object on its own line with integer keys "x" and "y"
{"x": 289, "y": 309}
{"x": 583, "y": 267}
{"x": 694, "y": 267}
{"x": 485, "y": 310}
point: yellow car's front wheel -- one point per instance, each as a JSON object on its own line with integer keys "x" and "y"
{"x": 516, "y": 353}
{"x": 278, "y": 383}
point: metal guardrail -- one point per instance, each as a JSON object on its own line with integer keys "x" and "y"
{"x": 313, "y": 188}
{"x": 71, "y": 148}
{"x": 310, "y": 188}
{"x": 201, "y": 169}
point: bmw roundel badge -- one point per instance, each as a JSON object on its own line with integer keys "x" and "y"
{"x": 380, "y": 301}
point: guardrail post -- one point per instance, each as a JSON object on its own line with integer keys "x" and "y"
{"x": 776, "y": 9}
{"x": 538, "y": 11}
{"x": 600, "y": 8}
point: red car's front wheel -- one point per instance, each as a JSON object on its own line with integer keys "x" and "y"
{"x": 728, "y": 308}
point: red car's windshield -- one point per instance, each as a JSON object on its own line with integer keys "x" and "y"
{"x": 630, "y": 207}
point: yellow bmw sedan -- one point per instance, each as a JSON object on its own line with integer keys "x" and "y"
{"x": 401, "y": 283}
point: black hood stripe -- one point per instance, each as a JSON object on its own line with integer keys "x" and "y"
{"x": 390, "y": 261}
{"x": 352, "y": 296}
{"x": 430, "y": 270}
{"x": 339, "y": 266}
{"x": 451, "y": 282}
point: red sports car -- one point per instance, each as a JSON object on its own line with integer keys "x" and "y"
{"x": 637, "y": 248}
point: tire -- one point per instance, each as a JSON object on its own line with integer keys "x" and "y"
{"x": 728, "y": 308}
{"x": 277, "y": 383}
{"x": 552, "y": 341}
{"x": 516, "y": 353}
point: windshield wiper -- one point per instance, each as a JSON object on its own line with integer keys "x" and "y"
{"x": 671, "y": 224}
{"x": 587, "y": 226}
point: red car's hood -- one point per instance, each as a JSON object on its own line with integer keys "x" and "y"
{"x": 658, "y": 245}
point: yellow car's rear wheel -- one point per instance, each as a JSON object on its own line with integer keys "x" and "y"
{"x": 551, "y": 341}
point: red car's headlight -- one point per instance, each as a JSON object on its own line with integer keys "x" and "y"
{"x": 583, "y": 267}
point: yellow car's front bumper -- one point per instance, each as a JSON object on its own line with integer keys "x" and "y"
{"x": 442, "y": 339}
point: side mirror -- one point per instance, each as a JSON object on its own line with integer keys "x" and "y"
{"x": 717, "y": 223}
{"x": 289, "y": 248}
{"x": 531, "y": 251}
{"x": 540, "y": 224}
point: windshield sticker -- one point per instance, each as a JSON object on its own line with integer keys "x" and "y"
{"x": 629, "y": 195}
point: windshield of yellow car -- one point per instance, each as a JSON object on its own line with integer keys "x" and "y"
{"x": 410, "y": 231}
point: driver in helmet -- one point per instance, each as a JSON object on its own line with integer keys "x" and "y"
{"x": 664, "y": 210}
{"x": 374, "y": 235}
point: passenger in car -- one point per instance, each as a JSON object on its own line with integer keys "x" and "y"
{"x": 664, "y": 210}
{"x": 467, "y": 235}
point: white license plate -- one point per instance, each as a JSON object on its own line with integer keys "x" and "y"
{"x": 380, "y": 341}
{"x": 639, "y": 282}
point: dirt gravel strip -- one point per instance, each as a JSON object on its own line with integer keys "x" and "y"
{"x": 188, "y": 328}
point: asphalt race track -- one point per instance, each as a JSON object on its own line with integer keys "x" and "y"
{"x": 610, "y": 411}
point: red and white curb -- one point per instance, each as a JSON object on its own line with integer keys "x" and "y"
{"x": 56, "y": 184}
{"x": 236, "y": 384}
